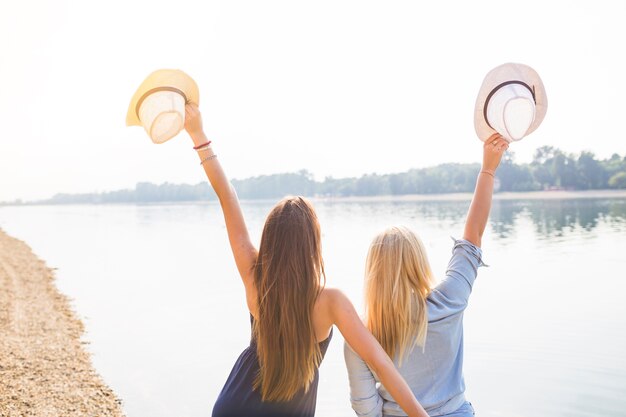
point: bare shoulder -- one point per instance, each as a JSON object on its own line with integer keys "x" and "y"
{"x": 323, "y": 313}
{"x": 327, "y": 302}
{"x": 323, "y": 305}
{"x": 333, "y": 297}
{"x": 344, "y": 316}
{"x": 335, "y": 303}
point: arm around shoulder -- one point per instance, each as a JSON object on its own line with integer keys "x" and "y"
{"x": 367, "y": 347}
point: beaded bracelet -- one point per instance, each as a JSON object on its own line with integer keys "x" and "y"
{"x": 208, "y": 158}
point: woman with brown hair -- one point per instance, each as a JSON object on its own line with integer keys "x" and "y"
{"x": 292, "y": 313}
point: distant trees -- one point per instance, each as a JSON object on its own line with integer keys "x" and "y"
{"x": 514, "y": 177}
{"x": 144, "y": 192}
{"x": 618, "y": 180}
{"x": 446, "y": 178}
{"x": 550, "y": 168}
{"x": 276, "y": 186}
{"x": 615, "y": 171}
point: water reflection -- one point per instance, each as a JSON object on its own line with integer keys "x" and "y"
{"x": 554, "y": 218}
{"x": 550, "y": 218}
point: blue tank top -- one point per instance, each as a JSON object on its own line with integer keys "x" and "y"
{"x": 238, "y": 399}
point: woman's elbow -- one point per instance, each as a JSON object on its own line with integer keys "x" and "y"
{"x": 379, "y": 363}
{"x": 371, "y": 407}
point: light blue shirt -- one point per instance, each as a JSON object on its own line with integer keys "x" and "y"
{"x": 435, "y": 373}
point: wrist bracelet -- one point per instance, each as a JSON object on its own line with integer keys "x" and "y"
{"x": 488, "y": 173}
{"x": 208, "y": 158}
{"x": 202, "y": 145}
{"x": 204, "y": 148}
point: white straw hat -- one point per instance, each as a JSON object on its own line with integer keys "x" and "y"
{"x": 159, "y": 103}
{"x": 511, "y": 101}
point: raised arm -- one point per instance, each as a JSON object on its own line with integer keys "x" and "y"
{"x": 479, "y": 209}
{"x": 243, "y": 250}
{"x": 367, "y": 347}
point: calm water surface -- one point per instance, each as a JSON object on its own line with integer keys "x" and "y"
{"x": 545, "y": 332}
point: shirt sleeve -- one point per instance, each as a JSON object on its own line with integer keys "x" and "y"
{"x": 364, "y": 396}
{"x": 452, "y": 294}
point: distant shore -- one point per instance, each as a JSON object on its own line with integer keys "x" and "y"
{"x": 519, "y": 195}
{"x": 522, "y": 195}
{"x": 44, "y": 369}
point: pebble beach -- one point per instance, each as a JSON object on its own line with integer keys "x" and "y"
{"x": 45, "y": 369}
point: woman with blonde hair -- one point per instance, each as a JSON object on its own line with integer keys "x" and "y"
{"x": 292, "y": 313}
{"x": 419, "y": 324}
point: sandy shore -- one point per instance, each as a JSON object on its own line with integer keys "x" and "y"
{"x": 44, "y": 369}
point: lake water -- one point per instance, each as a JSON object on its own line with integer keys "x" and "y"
{"x": 545, "y": 331}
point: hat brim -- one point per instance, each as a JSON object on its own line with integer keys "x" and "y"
{"x": 501, "y": 75}
{"x": 162, "y": 80}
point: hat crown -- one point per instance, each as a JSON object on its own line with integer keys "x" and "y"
{"x": 511, "y": 111}
{"x": 162, "y": 115}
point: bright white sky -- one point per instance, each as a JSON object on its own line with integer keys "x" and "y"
{"x": 338, "y": 87}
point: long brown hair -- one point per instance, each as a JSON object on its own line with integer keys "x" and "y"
{"x": 288, "y": 277}
{"x": 398, "y": 279}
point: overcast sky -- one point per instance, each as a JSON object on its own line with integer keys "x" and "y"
{"x": 338, "y": 87}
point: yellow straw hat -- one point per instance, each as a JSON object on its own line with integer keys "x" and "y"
{"x": 511, "y": 101}
{"x": 159, "y": 99}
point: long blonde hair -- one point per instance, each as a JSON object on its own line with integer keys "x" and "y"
{"x": 398, "y": 279}
{"x": 289, "y": 276}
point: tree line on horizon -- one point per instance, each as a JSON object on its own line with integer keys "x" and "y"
{"x": 550, "y": 169}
